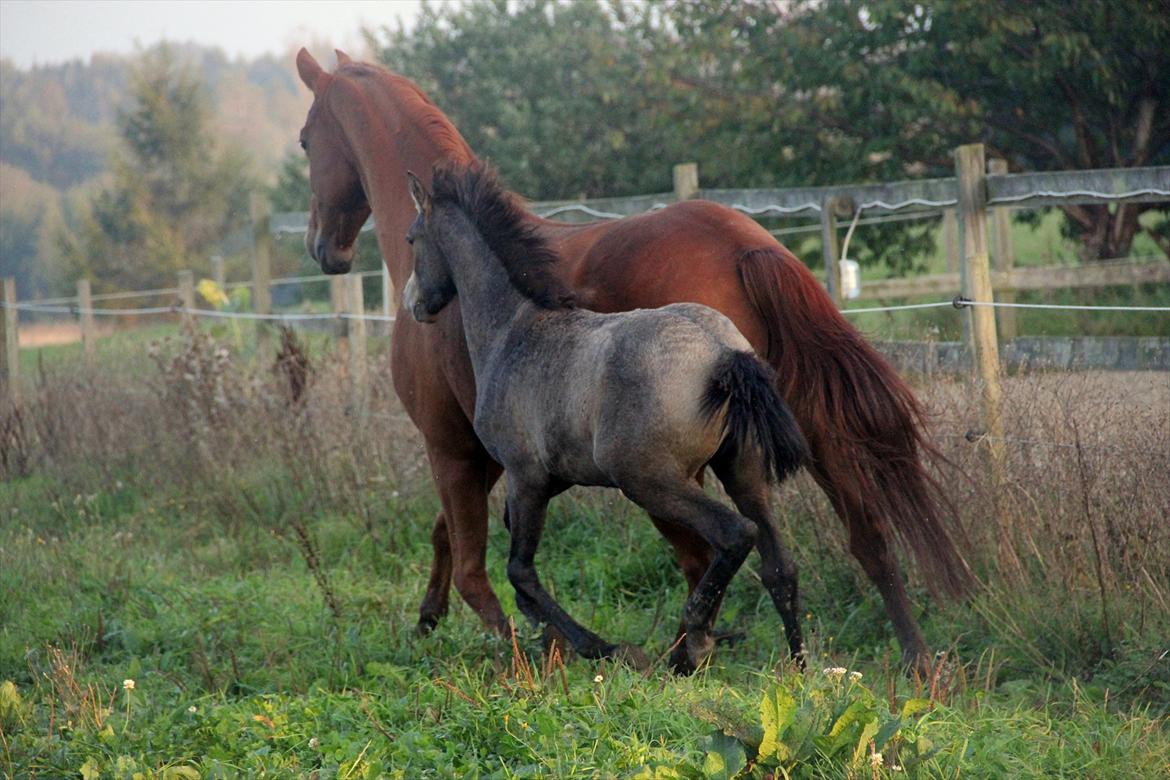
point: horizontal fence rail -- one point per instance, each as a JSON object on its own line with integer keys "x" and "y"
{"x": 993, "y": 193}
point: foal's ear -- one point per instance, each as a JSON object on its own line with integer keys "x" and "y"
{"x": 342, "y": 58}
{"x": 419, "y": 194}
{"x": 308, "y": 69}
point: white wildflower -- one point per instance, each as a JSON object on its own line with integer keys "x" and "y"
{"x": 875, "y": 760}
{"x": 835, "y": 671}
{"x": 313, "y": 743}
{"x": 599, "y": 678}
{"x": 128, "y": 684}
{"x": 855, "y": 675}
{"x": 192, "y": 709}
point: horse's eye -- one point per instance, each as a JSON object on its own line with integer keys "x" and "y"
{"x": 410, "y": 238}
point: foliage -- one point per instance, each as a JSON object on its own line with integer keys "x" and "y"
{"x": 59, "y": 144}
{"x": 1046, "y": 86}
{"x": 599, "y": 98}
{"x": 175, "y": 192}
{"x": 567, "y": 99}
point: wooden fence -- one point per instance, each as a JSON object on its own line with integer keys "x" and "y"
{"x": 974, "y": 203}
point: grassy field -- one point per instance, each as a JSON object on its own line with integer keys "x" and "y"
{"x": 203, "y": 578}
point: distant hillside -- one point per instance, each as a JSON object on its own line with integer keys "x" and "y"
{"x": 57, "y": 122}
{"x": 58, "y": 132}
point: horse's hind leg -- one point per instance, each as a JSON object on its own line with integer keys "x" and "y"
{"x": 729, "y": 535}
{"x": 527, "y": 504}
{"x": 745, "y": 482}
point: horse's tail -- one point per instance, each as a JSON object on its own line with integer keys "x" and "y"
{"x": 864, "y": 424}
{"x": 745, "y": 386}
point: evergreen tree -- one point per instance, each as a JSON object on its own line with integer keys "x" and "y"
{"x": 175, "y": 193}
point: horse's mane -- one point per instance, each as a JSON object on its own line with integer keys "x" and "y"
{"x": 410, "y": 100}
{"x": 529, "y": 260}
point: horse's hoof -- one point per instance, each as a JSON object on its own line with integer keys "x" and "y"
{"x": 426, "y": 624}
{"x": 633, "y": 656}
{"x": 680, "y": 662}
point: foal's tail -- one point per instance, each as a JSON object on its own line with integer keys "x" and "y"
{"x": 755, "y": 412}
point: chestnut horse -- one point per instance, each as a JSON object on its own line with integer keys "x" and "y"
{"x": 864, "y": 426}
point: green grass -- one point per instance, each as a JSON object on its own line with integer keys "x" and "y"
{"x": 239, "y": 667}
{"x": 150, "y": 533}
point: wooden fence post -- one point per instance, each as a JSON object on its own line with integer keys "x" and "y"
{"x": 357, "y": 338}
{"x": 218, "y": 275}
{"x": 686, "y": 181}
{"x": 951, "y": 240}
{"x": 9, "y": 344}
{"x": 261, "y": 274}
{"x": 85, "y": 320}
{"x": 337, "y": 303}
{"x": 389, "y": 295}
{"x": 976, "y": 286}
{"x": 831, "y": 247}
{"x": 1002, "y": 255}
{"x": 187, "y": 296}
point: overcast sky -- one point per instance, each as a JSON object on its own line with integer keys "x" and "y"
{"x": 46, "y": 32}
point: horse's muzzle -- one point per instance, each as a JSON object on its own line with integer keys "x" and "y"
{"x": 331, "y": 259}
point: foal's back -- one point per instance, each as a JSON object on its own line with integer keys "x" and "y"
{"x": 586, "y": 397}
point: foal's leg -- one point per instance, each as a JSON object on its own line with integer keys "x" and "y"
{"x": 748, "y": 487}
{"x": 527, "y": 504}
{"x": 729, "y": 535}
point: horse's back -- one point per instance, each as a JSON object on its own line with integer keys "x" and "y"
{"x": 685, "y": 252}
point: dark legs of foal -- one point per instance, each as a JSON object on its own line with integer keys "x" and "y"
{"x": 750, "y": 491}
{"x": 527, "y": 505}
{"x": 730, "y": 537}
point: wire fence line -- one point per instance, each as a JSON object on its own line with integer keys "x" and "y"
{"x": 958, "y": 302}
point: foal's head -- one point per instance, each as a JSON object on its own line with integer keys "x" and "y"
{"x": 496, "y": 215}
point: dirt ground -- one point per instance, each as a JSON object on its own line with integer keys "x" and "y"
{"x": 52, "y": 334}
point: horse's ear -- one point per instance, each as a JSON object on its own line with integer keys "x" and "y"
{"x": 419, "y": 194}
{"x": 342, "y": 58}
{"x": 309, "y": 70}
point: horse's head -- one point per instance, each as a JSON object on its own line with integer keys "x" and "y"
{"x": 431, "y": 286}
{"x": 338, "y": 207}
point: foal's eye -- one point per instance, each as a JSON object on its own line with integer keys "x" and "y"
{"x": 304, "y": 146}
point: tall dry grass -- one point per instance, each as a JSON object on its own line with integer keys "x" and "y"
{"x": 1072, "y": 550}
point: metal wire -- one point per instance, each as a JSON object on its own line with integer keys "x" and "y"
{"x": 1077, "y": 194}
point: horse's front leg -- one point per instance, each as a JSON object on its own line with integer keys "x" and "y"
{"x": 527, "y": 505}
{"x": 460, "y": 539}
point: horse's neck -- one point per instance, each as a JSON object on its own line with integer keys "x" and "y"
{"x": 487, "y": 300}
{"x": 387, "y": 141}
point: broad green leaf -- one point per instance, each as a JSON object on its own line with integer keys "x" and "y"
{"x": 725, "y": 757}
{"x": 90, "y": 770}
{"x": 914, "y": 706}
{"x": 867, "y": 733}
{"x": 777, "y": 711}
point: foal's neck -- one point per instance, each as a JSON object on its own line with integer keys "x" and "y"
{"x": 488, "y": 301}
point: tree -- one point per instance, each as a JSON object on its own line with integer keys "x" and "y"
{"x": 884, "y": 89}
{"x": 174, "y": 194}
{"x": 563, "y": 97}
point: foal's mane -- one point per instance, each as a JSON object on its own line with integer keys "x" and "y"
{"x": 500, "y": 220}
